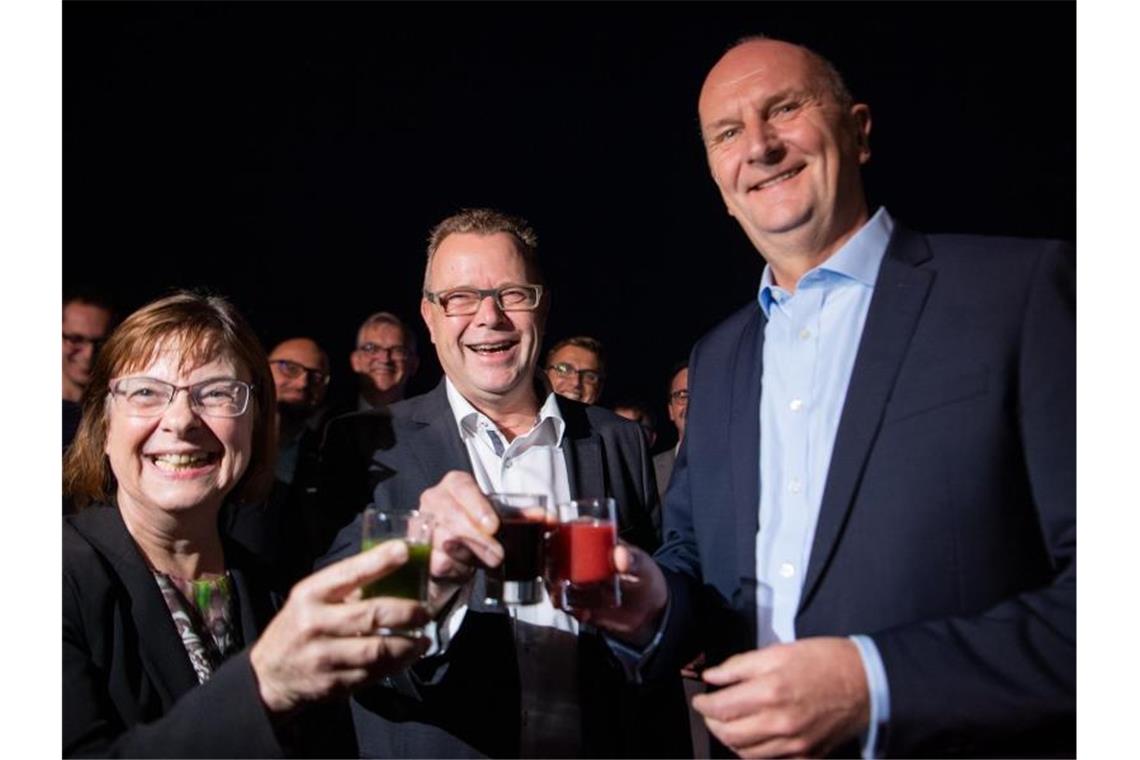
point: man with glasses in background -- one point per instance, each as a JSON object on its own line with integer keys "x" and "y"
{"x": 576, "y": 368}
{"x": 87, "y": 321}
{"x": 385, "y": 359}
{"x": 524, "y": 681}
{"x": 678, "y": 407}
{"x": 278, "y": 530}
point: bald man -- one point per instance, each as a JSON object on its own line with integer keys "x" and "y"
{"x": 280, "y": 530}
{"x": 871, "y": 523}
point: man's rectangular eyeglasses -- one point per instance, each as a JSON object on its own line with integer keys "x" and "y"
{"x": 148, "y": 397}
{"x": 677, "y": 397}
{"x": 565, "y": 369}
{"x": 75, "y": 339}
{"x": 293, "y": 370}
{"x": 394, "y": 352}
{"x": 460, "y": 302}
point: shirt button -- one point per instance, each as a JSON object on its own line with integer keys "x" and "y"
{"x": 796, "y": 405}
{"x": 794, "y": 485}
{"x": 787, "y": 570}
{"x": 805, "y": 334}
{"x": 507, "y": 463}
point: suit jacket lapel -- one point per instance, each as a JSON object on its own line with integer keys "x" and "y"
{"x": 160, "y": 647}
{"x": 744, "y": 442}
{"x": 898, "y": 299}
{"x": 583, "y": 452}
{"x": 436, "y": 442}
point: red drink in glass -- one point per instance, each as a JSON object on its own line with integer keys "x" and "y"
{"x": 581, "y": 556}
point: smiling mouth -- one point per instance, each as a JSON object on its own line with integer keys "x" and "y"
{"x": 777, "y": 179}
{"x": 490, "y": 349}
{"x": 180, "y": 462}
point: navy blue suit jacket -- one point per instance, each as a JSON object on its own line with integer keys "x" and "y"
{"x": 947, "y": 530}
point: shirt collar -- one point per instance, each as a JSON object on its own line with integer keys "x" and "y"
{"x": 469, "y": 419}
{"x": 858, "y": 259}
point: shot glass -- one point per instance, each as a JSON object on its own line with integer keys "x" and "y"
{"x": 409, "y": 580}
{"x": 581, "y": 563}
{"x": 524, "y": 520}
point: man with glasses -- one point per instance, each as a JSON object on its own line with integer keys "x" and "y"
{"x": 385, "y": 359}
{"x": 529, "y": 681}
{"x": 677, "y": 404}
{"x": 278, "y": 530}
{"x": 87, "y": 321}
{"x": 576, "y": 368}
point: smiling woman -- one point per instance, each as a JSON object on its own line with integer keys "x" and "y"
{"x": 161, "y": 614}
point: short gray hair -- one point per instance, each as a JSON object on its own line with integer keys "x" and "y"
{"x": 387, "y": 318}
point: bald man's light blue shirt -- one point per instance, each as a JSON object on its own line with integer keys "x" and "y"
{"x": 810, "y": 341}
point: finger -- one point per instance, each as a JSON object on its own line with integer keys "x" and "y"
{"x": 474, "y": 503}
{"x": 457, "y": 500}
{"x": 625, "y": 559}
{"x": 762, "y": 736}
{"x": 751, "y": 664}
{"x": 735, "y": 702}
{"x": 466, "y": 545}
{"x": 374, "y": 654}
{"x": 339, "y": 579}
{"x": 750, "y": 739}
{"x": 367, "y": 615}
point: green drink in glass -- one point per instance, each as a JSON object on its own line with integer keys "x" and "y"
{"x": 409, "y": 580}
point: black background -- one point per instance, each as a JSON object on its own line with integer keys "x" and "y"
{"x": 293, "y": 156}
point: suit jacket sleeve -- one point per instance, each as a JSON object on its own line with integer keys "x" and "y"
{"x": 1010, "y": 671}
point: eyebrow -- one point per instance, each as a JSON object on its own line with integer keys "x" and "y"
{"x": 768, "y": 100}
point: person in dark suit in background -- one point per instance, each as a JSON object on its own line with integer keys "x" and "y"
{"x": 277, "y": 529}
{"x": 530, "y": 681}
{"x": 871, "y": 523}
{"x": 677, "y": 405}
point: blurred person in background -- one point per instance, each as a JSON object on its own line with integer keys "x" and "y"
{"x": 576, "y": 368}
{"x": 385, "y": 359}
{"x": 87, "y": 320}
{"x": 677, "y": 405}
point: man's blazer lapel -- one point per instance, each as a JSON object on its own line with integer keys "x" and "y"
{"x": 435, "y": 440}
{"x": 745, "y": 443}
{"x": 582, "y": 450}
{"x": 900, "y": 294}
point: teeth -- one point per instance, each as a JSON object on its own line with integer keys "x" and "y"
{"x": 177, "y": 461}
{"x": 778, "y": 178}
{"x": 488, "y": 348}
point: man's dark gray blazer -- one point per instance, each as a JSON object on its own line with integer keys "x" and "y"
{"x": 947, "y": 530}
{"x": 466, "y": 703}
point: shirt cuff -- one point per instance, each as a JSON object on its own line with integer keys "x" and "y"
{"x": 633, "y": 659}
{"x": 880, "y": 693}
{"x": 443, "y": 630}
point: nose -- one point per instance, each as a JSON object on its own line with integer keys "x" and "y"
{"x": 489, "y": 312}
{"x": 180, "y": 415}
{"x": 765, "y": 145}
